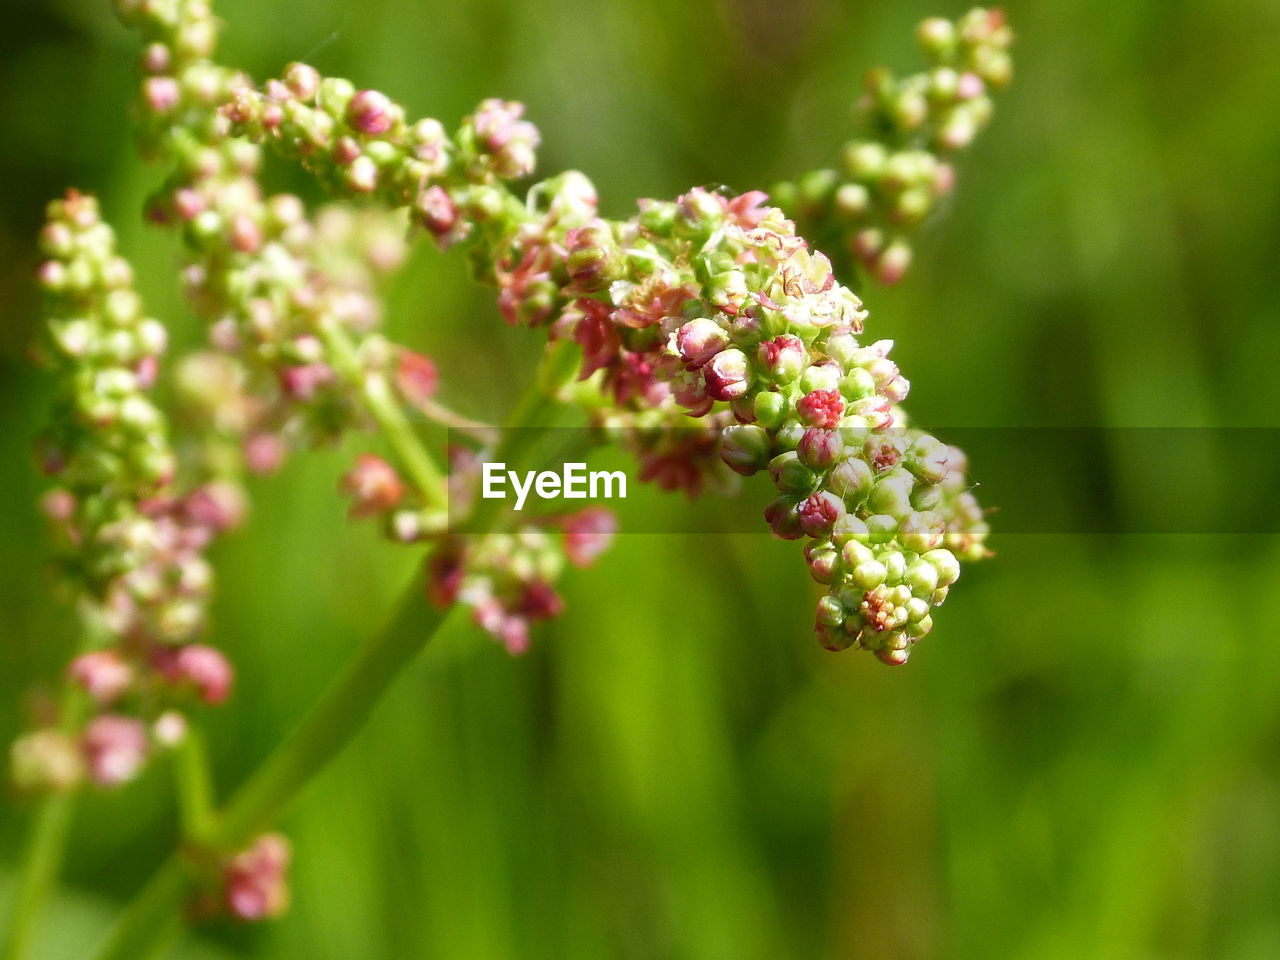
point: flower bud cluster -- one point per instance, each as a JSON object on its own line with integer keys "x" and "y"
{"x": 359, "y": 142}
{"x": 508, "y": 579}
{"x": 714, "y": 308}
{"x": 894, "y": 177}
{"x": 132, "y": 542}
{"x": 254, "y": 881}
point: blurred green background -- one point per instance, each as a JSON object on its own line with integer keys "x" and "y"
{"x": 1083, "y": 760}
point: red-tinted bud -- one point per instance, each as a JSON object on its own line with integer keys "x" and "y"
{"x": 699, "y": 340}
{"x": 373, "y": 485}
{"x": 370, "y": 112}
{"x": 819, "y": 513}
{"x": 587, "y": 534}
{"x": 821, "y": 408}
{"x": 783, "y": 358}
{"x": 728, "y": 375}
{"x": 820, "y": 448}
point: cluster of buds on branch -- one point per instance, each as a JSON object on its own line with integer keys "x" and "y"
{"x": 704, "y": 334}
{"x": 132, "y": 536}
{"x": 893, "y": 177}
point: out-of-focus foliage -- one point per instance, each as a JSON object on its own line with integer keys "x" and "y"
{"x": 1084, "y": 761}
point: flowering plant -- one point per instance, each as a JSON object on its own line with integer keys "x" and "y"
{"x": 710, "y": 308}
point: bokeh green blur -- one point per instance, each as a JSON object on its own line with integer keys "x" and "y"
{"x": 1082, "y": 761}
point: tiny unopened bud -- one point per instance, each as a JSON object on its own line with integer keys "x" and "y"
{"x": 373, "y": 485}
{"x": 699, "y": 340}
{"x": 255, "y": 879}
{"x": 746, "y": 448}
{"x": 819, "y": 513}
{"x": 728, "y": 375}
{"x": 820, "y": 448}
{"x": 783, "y": 358}
{"x": 103, "y": 674}
{"x": 115, "y": 748}
{"x": 587, "y": 534}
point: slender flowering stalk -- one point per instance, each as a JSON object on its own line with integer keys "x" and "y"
{"x": 704, "y": 334}
{"x": 896, "y": 174}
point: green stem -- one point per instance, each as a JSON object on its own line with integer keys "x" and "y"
{"x": 386, "y": 410}
{"x": 341, "y": 712}
{"x": 261, "y": 800}
{"x": 38, "y": 874}
{"x": 194, "y": 785}
{"x": 47, "y": 840}
{"x": 535, "y": 409}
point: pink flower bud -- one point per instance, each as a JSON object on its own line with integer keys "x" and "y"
{"x": 699, "y": 340}
{"x": 161, "y": 94}
{"x": 444, "y": 575}
{"x": 819, "y": 448}
{"x": 206, "y": 669}
{"x": 303, "y": 381}
{"x": 416, "y": 376}
{"x": 254, "y": 880}
{"x": 970, "y": 87}
{"x": 540, "y": 602}
{"x": 373, "y": 485}
{"x": 821, "y": 408}
{"x": 783, "y": 518}
{"x": 436, "y": 210}
{"x": 103, "y": 674}
{"x": 246, "y": 235}
{"x": 370, "y": 112}
{"x": 303, "y": 81}
{"x": 819, "y": 513}
{"x": 115, "y": 748}
{"x": 218, "y": 505}
{"x": 345, "y": 151}
{"x": 783, "y": 358}
{"x": 587, "y": 534}
{"x": 728, "y": 375}
{"x": 263, "y": 452}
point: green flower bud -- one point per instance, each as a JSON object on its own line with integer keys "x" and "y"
{"x": 830, "y": 612}
{"x": 745, "y": 448}
{"x": 869, "y": 575}
{"x": 850, "y": 479}
{"x": 922, "y": 578}
{"x": 895, "y": 568}
{"x": 946, "y": 564}
{"x": 855, "y": 551}
{"x": 848, "y": 527}
{"x": 882, "y": 528}
{"x": 858, "y": 384}
{"x": 792, "y": 476}
{"x": 864, "y": 160}
{"x": 820, "y": 377}
{"x": 853, "y": 200}
{"x": 892, "y": 493}
{"x": 770, "y": 409}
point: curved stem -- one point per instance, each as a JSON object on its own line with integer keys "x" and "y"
{"x": 260, "y": 801}
{"x": 38, "y": 874}
{"x": 48, "y": 837}
{"x": 386, "y": 410}
{"x": 533, "y": 412}
{"x": 333, "y": 722}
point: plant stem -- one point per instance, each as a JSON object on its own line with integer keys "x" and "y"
{"x": 38, "y": 874}
{"x": 341, "y": 712}
{"x": 47, "y": 839}
{"x": 386, "y": 410}
{"x": 193, "y": 784}
{"x": 532, "y": 414}
{"x": 260, "y": 801}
